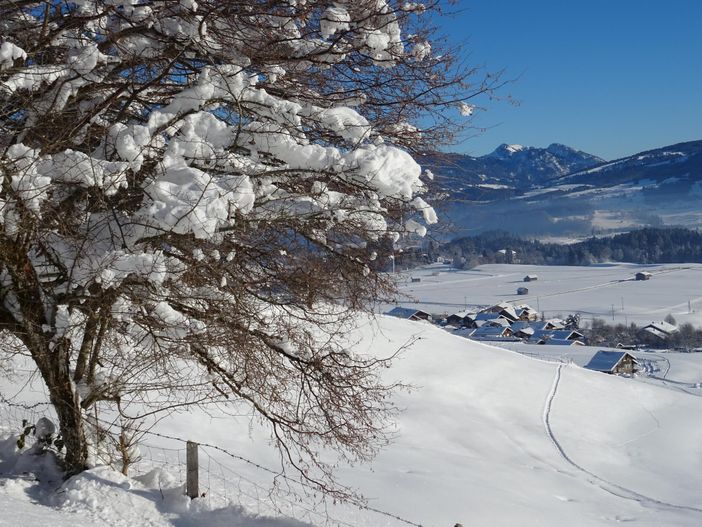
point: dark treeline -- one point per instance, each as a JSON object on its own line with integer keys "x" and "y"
{"x": 671, "y": 245}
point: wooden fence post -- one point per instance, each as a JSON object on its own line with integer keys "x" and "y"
{"x": 191, "y": 483}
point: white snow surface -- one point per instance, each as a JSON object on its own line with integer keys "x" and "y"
{"x": 486, "y": 437}
{"x": 606, "y": 291}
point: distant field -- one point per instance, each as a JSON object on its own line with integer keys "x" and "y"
{"x": 606, "y": 291}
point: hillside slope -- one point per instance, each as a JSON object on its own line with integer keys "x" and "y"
{"x": 490, "y": 437}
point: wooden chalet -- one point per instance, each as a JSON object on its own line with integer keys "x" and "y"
{"x": 505, "y": 309}
{"x": 613, "y": 362}
{"x": 487, "y": 319}
{"x": 409, "y": 314}
{"x": 541, "y": 336}
{"x": 663, "y": 330}
{"x": 526, "y": 313}
{"x": 492, "y": 333}
{"x": 563, "y": 342}
{"x": 462, "y": 318}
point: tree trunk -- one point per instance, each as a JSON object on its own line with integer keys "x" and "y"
{"x": 67, "y": 405}
{"x": 54, "y": 368}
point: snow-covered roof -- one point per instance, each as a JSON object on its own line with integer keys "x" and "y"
{"x": 558, "y": 334}
{"x": 525, "y": 307}
{"x": 486, "y": 316}
{"x": 522, "y": 310}
{"x": 562, "y": 342}
{"x": 492, "y": 333}
{"x": 662, "y": 327}
{"x": 406, "y": 312}
{"x": 510, "y": 312}
{"x": 607, "y": 361}
{"x": 533, "y": 324}
{"x": 556, "y": 322}
{"x": 489, "y": 331}
{"x": 462, "y": 314}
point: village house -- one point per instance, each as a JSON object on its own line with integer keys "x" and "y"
{"x": 531, "y": 278}
{"x": 527, "y": 313}
{"x": 643, "y": 275}
{"x": 492, "y": 333}
{"x": 505, "y": 309}
{"x": 563, "y": 342}
{"x": 533, "y": 324}
{"x": 663, "y": 330}
{"x": 542, "y": 336}
{"x": 487, "y": 319}
{"x": 613, "y": 362}
{"x": 460, "y": 318}
{"x": 554, "y": 323}
{"x": 409, "y": 313}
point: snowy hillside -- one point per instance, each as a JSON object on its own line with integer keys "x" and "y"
{"x": 487, "y": 437}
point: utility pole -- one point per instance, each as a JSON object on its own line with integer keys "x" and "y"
{"x": 612, "y": 311}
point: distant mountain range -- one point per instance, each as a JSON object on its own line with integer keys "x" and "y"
{"x": 561, "y": 191}
{"x": 512, "y": 165}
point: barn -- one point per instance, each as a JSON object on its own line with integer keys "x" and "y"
{"x": 462, "y": 318}
{"x": 409, "y": 313}
{"x": 613, "y": 362}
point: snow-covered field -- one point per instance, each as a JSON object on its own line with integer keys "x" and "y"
{"x": 487, "y": 437}
{"x": 606, "y": 291}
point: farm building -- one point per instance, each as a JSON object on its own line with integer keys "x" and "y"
{"x": 505, "y": 309}
{"x": 526, "y": 313}
{"x": 524, "y": 332}
{"x": 531, "y": 278}
{"x": 491, "y": 333}
{"x": 555, "y": 323}
{"x": 409, "y": 313}
{"x": 643, "y": 275}
{"x": 613, "y": 362}
{"x": 462, "y": 318}
{"x": 541, "y": 336}
{"x": 487, "y": 319}
{"x": 522, "y": 291}
{"x": 537, "y": 324}
{"x": 662, "y": 330}
{"x": 563, "y": 342}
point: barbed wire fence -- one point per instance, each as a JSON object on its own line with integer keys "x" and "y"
{"x": 237, "y": 482}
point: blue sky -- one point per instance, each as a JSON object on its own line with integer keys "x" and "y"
{"x": 611, "y": 77}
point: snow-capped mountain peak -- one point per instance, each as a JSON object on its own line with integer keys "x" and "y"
{"x": 505, "y": 151}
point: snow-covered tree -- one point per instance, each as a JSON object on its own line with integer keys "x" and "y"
{"x": 196, "y": 196}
